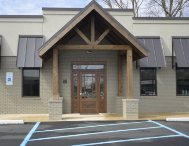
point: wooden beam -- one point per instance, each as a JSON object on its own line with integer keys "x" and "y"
{"x": 92, "y": 30}
{"x": 129, "y": 74}
{"x": 62, "y": 33}
{"x": 92, "y": 47}
{"x": 120, "y": 74}
{"x": 102, "y": 36}
{"x": 80, "y": 33}
{"x": 124, "y": 32}
{"x": 74, "y": 47}
{"x": 110, "y": 47}
{"x": 55, "y": 75}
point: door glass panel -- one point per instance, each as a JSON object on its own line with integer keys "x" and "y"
{"x": 88, "y": 86}
{"x": 88, "y": 67}
{"x": 75, "y": 85}
{"x": 101, "y": 86}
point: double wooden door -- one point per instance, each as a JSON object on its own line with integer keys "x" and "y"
{"x": 88, "y": 91}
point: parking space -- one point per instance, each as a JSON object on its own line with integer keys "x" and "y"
{"x": 107, "y": 133}
{"x": 133, "y": 133}
{"x": 13, "y": 135}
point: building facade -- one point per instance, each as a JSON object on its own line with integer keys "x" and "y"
{"x": 93, "y": 60}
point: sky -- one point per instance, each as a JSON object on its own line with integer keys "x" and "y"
{"x": 33, "y": 7}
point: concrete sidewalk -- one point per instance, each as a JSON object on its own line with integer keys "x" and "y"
{"x": 25, "y": 117}
{"x": 79, "y": 117}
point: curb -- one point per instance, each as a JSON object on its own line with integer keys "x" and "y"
{"x": 4, "y": 122}
{"x": 183, "y": 119}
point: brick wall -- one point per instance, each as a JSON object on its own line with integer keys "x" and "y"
{"x": 166, "y": 101}
{"x": 11, "y": 100}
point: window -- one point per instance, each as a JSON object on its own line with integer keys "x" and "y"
{"x": 30, "y": 82}
{"x": 148, "y": 83}
{"x": 182, "y": 81}
{"x": 88, "y": 67}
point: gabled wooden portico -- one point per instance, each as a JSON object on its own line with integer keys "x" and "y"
{"x": 93, "y": 29}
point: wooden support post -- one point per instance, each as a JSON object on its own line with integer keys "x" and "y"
{"x": 120, "y": 75}
{"x": 129, "y": 75}
{"x": 55, "y": 75}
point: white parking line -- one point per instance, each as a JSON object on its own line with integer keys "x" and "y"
{"x": 26, "y": 139}
{"x": 171, "y": 129}
{"x": 127, "y": 140}
{"x": 104, "y": 125}
{"x": 95, "y": 133}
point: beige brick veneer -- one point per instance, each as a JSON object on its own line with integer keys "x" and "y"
{"x": 11, "y": 100}
{"x": 166, "y": 101}
{"x": 130, "y": 109}
{"x": 55, "y": 109}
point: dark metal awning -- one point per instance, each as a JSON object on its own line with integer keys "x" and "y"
{"x": 181, "y": 48}
{"x": 0, "y": 43}
{"x": 0, "y": 46}
{"x": 28, "y": 51}
{"x": 155, "y": 48}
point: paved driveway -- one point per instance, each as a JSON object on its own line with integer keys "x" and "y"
{"x": 133, "y": 133}
{"x": 13, "y": 135}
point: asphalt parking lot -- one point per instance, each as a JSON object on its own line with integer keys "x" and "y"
{"x": 116, "y": 133}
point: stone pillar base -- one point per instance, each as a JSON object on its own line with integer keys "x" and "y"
{"x": 55, "y": 109}
{"x": 130, "y": 109}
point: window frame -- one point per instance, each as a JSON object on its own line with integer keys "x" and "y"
{"x": 179, "y": 68}
{"x": 151, "y": 68}
{"x": 27, "y": 97}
